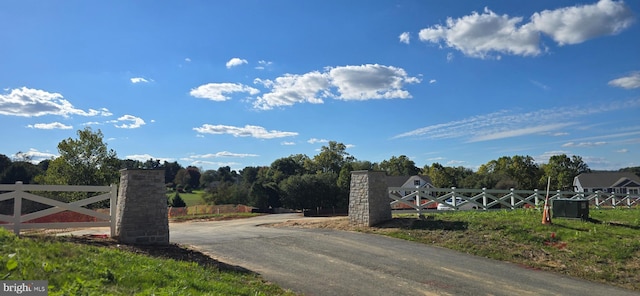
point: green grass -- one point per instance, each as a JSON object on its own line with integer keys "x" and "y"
{"x": 604, "y": 249}
{"x": 191, "y": 199}
{"x": 76, "y": 269}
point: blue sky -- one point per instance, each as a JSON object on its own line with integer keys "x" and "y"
{"x": 243, "y": 83}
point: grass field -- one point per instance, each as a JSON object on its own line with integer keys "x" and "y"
{"x": 191, "y": 199}
{"x": 80, "y": 269}
{"x": 605, "y": 248}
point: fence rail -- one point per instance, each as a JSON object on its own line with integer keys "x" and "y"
{"x": 19, "y": 192}
{"x": 484, "y": 199}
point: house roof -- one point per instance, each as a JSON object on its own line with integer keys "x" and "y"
{"x": 398, "y": 181}
{"x": 605, "y": 179}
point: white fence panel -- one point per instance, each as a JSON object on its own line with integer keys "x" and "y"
{"x": 484, "y": 199}
{"x": 19, "y": 191}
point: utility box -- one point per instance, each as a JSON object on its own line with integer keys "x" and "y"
{"x": 571, "y": 208}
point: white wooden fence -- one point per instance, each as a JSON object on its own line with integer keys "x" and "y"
{"x": 484, "y": 199}
{"x": 19, "y": 191}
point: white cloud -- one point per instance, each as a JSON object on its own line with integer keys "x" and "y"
{"x": 507, "y": 124}
{"x": 510, "y": 133}
{"x": 455, "y": 162}
{"x": 135, "y": 80}
{"x": 28, "y": 102}
{"x": 584, "y": 144}
{"x": 432, "y": 81}
{"x": 477, "y": 35}
{"x": 246, "y": 131}
{"x": 234, "y": 62}
{"x": 262, "y": 64}
{"x": 365, "y": 82}
{"x": 224, "y": 154}
{"x": 287, "y": 143}
{"x": 577, "y": 24}
{"x": 481, "y": 35}
{"x": 188, "y": 60}
{"x": 540, "y": 85}
{"x": 314, "y": 141}
{"x": 145, "y": 157}
{"x": 628, "y": 82}
{"x": 624, "y": 150}
{"x": 218, "y": 91}
{"x": 544, "y": 158}
{"x": 136, "y": 122}
{"x": 405, "y": 38}
{"x": 48, "y": 126}
{"x": 371, "y": 81}
{"x": 35, "y": 155}
{"x": 290, "y": 89}
{"x": 450, "y": 57}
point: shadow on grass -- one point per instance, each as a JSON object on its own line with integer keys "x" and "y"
{"x": 171, "y": 251}
{"x": 424, "y": 224}
{"x": 596, "y": 221}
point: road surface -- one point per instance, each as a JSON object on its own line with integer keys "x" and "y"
{"x": 331, "y": 262}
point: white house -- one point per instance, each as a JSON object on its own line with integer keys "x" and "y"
{"x": 611, "y": 182}
{"x": 418, "y": 181}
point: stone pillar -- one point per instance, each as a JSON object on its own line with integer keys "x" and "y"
{"x": 369, "y": 202}
{"x": 141, "y": 213}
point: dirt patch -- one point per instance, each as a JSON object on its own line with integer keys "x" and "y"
{"x": 342, "y": 223}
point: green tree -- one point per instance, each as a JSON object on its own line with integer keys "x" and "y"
{"x": 310, "y": 191}
{"x": 562, "y": 170}
{"x": 170, "y": 171}
{"x": 20, "y": 171}
{"x": 83, "y": 161}
{"x": 399, "y": 166}
{"x": 285, "y": 167}
{"x": 445, "y": 177}
{"x": 194, "y": 177}
{"x": 208, "y": 177}
{"x": 511, "y": 172}
{"x": 177, "y": 201}
{"x": 331, "y": 158}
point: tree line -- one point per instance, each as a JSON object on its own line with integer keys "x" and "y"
{"x": 296, "y": 181}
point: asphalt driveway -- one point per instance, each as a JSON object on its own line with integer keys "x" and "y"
{"x": 330, "y": 262}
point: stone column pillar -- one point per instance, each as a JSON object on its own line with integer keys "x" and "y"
{"x": 369, "y": 202}
{"x": 141, "y": 212}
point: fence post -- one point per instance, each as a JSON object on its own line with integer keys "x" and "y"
{"x": 484, "y": 197}
{"x": 535, "y": 197}
{"x": 453, "y": 198}
{"x": 112, "y": 207}
{"x": 418, "y": 202}
{"x": 513, "y": 200}
{"x": 17, "y": 208}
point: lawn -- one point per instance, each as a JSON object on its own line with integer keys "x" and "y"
{"x": 73, "y": 268}
{"x": 605, "y": 248}
{"x": 191, "y": 199}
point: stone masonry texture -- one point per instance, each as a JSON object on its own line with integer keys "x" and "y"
{"x": 141, "y": 212}
{"x": 368, "y": 199}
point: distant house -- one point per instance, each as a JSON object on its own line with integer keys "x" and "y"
{"x": 418, "y": 181}
{"x": 610, "y": 182}
{"x": 409, "y": 181}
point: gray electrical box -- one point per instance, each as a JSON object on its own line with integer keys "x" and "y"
{"x": 571, "y": 208}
